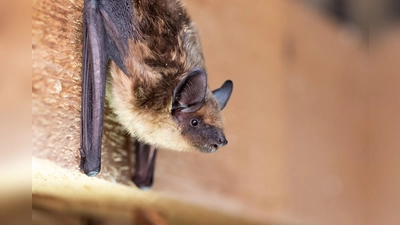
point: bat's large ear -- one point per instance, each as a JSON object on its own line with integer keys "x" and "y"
{"x": 223, "y": 93}
{"x": 189, "y": 94}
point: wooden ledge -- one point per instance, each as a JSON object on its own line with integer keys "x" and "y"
{"x": 72, "y": 193}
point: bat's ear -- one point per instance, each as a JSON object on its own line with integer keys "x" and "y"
{"x": 223, "y": 93}
{"x": 190, "y": 92}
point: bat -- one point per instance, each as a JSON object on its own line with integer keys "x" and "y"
{"x": 156, "y": 81}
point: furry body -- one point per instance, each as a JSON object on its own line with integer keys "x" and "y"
{"x": 158, "y": 83}
{"x": 166, "y": 49}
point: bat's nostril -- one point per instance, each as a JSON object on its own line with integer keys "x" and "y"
{"x": 222, "y": 142}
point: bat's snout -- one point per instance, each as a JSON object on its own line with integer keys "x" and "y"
{"x": 219, "y": 142}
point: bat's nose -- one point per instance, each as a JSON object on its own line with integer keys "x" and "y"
{"x": 222, "y": 141}
{"x": 219, "y": 140}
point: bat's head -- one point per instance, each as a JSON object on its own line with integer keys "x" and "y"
{"x": 190, "y": 119}
{"x": 165, "y": 101}
{"x": 187, "y": 120}
{"x": 197, "y": 111}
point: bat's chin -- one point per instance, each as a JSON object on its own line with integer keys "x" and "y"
{"x": 212, "y": 146}
{"x": 209, "y": 148}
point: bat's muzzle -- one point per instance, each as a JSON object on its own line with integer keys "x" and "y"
{"x": 219, "y": 142}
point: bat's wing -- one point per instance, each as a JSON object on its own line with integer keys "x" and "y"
{"x": 107, "y": 27}
{"x": 144, "y": 165}
{"x": 94, "y": 60}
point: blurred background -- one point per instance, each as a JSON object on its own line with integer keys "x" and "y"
{"x": 312, "y": 123}
{"x": 15, "y": 116}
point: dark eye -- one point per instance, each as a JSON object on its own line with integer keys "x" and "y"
{"x": 194, "y": 122}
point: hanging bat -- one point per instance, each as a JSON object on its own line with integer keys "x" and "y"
{"x": 157, "y": 82}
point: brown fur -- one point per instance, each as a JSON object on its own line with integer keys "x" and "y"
{"x": 209, "y": 113}
{"x": 166, "y": 48}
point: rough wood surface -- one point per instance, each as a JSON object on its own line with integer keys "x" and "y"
{"x": 73, "y": 196}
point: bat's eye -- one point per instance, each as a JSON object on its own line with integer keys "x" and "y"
{"x": 194, "y": 122}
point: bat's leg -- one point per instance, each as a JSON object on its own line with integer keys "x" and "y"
{"x": 93, "y": 88}
{"x": 144, "y": 165}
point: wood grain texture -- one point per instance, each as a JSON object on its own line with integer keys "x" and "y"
{"x": 56, "y": 89}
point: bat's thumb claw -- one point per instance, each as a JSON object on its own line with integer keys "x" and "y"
{"x": 92, "y": 173}
{"x": 91, "y": 169}
{"x": 145, "y": 188}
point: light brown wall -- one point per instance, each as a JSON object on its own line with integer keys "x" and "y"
{"x": 384, "y": 127}
{"x": 296, "y": 122}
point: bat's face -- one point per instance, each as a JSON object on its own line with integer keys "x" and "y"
{"x": 192, "y": 121}
{"x": 200, "y": 132}
{"x": 197, "y": 111}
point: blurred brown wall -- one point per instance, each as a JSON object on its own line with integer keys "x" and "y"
{"x": 297, "y": 120}
{"x": 384, "y": 127}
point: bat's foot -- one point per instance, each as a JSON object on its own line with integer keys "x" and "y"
{"x": 144, "y": 165}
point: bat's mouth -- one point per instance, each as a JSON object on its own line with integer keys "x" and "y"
{"x": 213, "y": 147}
{"x": 209, "y": 149}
